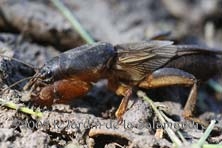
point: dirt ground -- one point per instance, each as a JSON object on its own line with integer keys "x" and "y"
{"x": 35, "y": 31}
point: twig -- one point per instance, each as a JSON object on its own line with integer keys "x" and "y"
{"x": 74, "y": 22}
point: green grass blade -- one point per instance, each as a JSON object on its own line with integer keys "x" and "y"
{"x": 21, "y": 109}
{"x": 74, "y": 22}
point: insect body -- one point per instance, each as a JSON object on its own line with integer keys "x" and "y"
{"x": 160, "y": 63}
{"x": 148, "y": 64}
{"x": 70, "y": 74}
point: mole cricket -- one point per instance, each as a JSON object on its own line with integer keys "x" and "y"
{"x": 145, "y": 64}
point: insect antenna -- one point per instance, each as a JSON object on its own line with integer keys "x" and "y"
{"x": 32, "y": 81}
{"x": 16, "y": 83}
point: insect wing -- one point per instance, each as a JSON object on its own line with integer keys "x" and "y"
{"x": 145, "y": 56}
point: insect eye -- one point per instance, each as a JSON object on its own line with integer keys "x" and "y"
{"x": 48, "y": 74}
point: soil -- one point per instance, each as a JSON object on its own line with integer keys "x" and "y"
{"x": 35, "y": 31}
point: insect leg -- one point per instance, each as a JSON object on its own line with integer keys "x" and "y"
{"x": 62, "y": 91}
{"x": 126, "y": 92}
{"x": 121, "y": 90}
{"x": 172, "y": 76}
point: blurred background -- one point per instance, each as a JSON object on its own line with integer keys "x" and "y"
{"x": 115, "y": 21}
{"x": 35, "y": 31}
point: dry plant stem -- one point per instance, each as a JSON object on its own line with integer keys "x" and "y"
{"x": 212, "y": 146}
{"x": 181, "y": 137}
{"x": 173, "y": 137}
{"x": 74, "y": 22}
{"x": 206, "y": 134}
{"x": 21, "y": 109}
{"x": 169, "y": 131}
{"x": 178, "y": 132}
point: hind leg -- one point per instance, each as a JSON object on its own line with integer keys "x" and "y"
{"x": 171, "y": 76}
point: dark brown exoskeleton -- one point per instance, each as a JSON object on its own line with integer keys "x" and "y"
{"x": 148, "y": 64}
{"x": 70, "y": 74}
